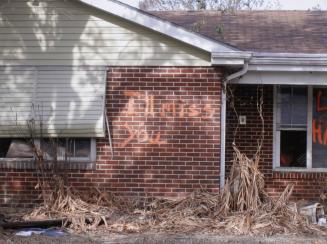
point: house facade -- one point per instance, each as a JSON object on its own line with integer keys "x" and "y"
{"x": 287, "y": 64}
{"x": 139, "y": 103}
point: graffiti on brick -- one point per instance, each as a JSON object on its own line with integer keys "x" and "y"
{"x": 173, "y": 109}
{"x": 169, "y": 110}
{"x": 142, "y": 136}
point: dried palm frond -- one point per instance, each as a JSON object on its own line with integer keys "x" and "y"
{"x": 245, "y": 188}
{"x": 63, "y": 203}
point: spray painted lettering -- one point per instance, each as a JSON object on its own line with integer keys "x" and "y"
{"x": 172, "y": 109}
{"x": 319, "y": 123}
{"x": 142, "y": 136}
{"x": 169, "y": 110}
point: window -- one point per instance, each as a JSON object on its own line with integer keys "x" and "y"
{"x": 292, "y": 126}
{"x": 15, "y": 148}
{"x": 300, "y": 128}
{"x": 67, "y": 149}
{"x": 319, "y": 128}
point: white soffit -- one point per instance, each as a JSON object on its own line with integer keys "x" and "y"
{"x": 282, "y": 78}
{"x": 156, "y": 24}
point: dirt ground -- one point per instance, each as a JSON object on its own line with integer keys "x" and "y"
{"x": 163, "y": 239}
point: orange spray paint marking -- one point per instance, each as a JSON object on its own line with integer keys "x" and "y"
{"x": 157, "y": 140}
{"x": 316, "y": 132}
{"x": 131, "y": 102}
{"x": 210, "y": 111}
{"x": 130, "y": 138}
{"x": 132, "y": 94}
{"x": 181, "y": 110}
{"x": 193, "y": 111}
{"x": 168, "y": 108}
{"x": 149, "y": 105}
{"x": 325, "y": 137}
{"x": 130, "y": 107}
{"x": 143, "y": 136}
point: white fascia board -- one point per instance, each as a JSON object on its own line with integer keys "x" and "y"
{"x": 236, "y": 58}
{"x": 154, "y": 23}
{"x": 288, "y": 68}
{"x": 288, "y": 55}
{"x": 228, "y": 62}
{"x": 282, "y": 78}
{"x": 288, "y": 62}
{"x": 284, "y": 61}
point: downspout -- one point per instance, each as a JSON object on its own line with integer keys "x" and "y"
{"x": 233, "y": 76}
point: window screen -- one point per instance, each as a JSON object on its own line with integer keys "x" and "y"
{"x": 67, "y": 148}
{"x": 292, "y": 125}
{"x": 292, "y": 104}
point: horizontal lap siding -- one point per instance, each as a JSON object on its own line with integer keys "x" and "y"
{"x": 68, "y": 101}
{"x": 16, "y": 98}
{"x": 68, "y": 33}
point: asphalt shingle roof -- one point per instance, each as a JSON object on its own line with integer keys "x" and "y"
{"x": 261, "y": 31}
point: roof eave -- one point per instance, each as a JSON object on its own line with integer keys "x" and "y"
{"x": 292, "y": 62}
{"x": 236, "y": 58}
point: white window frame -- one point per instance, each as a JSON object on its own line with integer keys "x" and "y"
{"x": 91, "y": 158}
{"x": 276, "y": 136}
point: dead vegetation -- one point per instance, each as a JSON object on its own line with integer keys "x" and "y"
{"x": 81, "y": 212}
{"x": 242, "y": 207}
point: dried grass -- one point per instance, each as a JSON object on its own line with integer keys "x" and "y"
{"x": 63, "y": 203}
{"x": 244, "y": 189}
{"x": 243, "y": 207}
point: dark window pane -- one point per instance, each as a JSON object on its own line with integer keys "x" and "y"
{"x": 15, "y": 148}
{"x": 82, "y": 147}
{"x": 293, "y": 148}
{"x": 4, "y": 146}
{"x": 66, "y": 148}
{"x": 49, "y": 147}
{"x": 293, "y": 106}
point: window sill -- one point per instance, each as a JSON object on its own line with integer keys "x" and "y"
{"x": 301, "y": 170}
{"x": 29, "y": 164}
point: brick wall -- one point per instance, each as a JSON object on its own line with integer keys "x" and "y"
{"x": 307, "y": 185}
{"x": 165, "y": 125}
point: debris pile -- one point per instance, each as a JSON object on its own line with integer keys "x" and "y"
{"x": 63, "y": 203}
{"x": 243, "y": 207}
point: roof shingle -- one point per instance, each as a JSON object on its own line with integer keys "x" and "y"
{"x": 259, "y": 31}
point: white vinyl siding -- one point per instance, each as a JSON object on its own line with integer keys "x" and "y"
{"x": 54, "y": 32}
{"x": 68, "y": 101}
{"x": 16, "y": 98}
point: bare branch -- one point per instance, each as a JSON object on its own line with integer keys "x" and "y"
{"x": 219, "y": 5}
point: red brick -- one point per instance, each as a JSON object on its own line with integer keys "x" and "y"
{"x": 306, "y": 185}
{"x": 167, "y": 144}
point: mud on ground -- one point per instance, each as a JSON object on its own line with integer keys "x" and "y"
{"x": 152, "y": 238}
